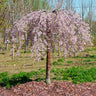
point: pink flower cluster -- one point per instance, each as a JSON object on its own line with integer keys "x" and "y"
{"x": 63, "y": 27}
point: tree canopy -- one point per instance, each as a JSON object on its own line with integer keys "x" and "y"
{"x": 65, "y": 27}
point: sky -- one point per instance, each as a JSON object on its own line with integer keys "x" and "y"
{"x": 77, "y": 6}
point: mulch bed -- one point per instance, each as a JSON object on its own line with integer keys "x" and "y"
{"x": 56, "y": 88}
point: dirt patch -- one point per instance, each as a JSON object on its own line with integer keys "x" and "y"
{"x": 56, "y": 88}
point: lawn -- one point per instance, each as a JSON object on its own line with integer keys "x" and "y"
{"x": 81, "y": 68}
{"x": 27, "y": 64}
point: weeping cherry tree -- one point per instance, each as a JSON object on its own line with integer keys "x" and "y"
{"x": 44, "y": 27}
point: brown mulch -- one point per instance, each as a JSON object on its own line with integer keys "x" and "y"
{"x": 56, "y": 88}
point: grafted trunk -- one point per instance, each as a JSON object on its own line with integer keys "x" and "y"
{"x": 48, "y": 64}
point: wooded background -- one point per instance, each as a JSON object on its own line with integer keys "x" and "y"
{"x": 12, "y": 10}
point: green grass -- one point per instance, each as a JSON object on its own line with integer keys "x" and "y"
{"x": 91, "y": 49}
{"x": 34, "y": 70}
{"x": 25, "y": 52}
{"x": 88, "y": 60}
{"x": 60, "y": 60}
{"x": 75, "y": 74}
{"x": 69, "y": 61}
{"x": 54, "y": 63}
{"x": 27, "y": 64}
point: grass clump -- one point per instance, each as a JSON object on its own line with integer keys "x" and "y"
{"x": 60, "y": 63}
{"x": 60, "y": 60}
{"x": 88, "y": 50}
{"x": 88, "y": 60}
{"x": 15, "y": 79}
{"x": 4, "y": 79}
{"x": 54, "y": 63}
{"x": 69, "y": 61}
{"x": 25, "y": 52}
{"x": 92, "y": 56}
{"x": 2, "y": 53}
{"x": 42, "y": 58}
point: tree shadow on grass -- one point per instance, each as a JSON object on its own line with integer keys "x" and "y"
{"x": 16, "y": 79}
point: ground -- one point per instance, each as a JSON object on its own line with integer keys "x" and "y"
{"x": 27, "y": 64}
{"x": 56, "y": 88}
{"x": 87, "y": 59}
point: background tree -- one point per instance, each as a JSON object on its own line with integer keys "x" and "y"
{"x": 3, "y": 19}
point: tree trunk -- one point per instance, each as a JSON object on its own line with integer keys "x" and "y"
{"x": 26, "y": 42}
{"x": 13, "y": 52}
{"x": 7, "y": 46}
{"x": 58, "y": 49}
{"x": 48, "y": 64}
